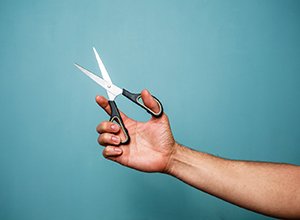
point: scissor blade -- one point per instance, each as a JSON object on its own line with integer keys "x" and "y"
{"x": 112, "y": 90}
{"x": 97, "y": 79}
{"x": 102, "y": 67}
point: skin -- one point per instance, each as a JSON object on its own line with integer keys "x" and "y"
{"x": 271, "y": 189}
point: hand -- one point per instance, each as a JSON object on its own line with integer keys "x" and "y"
{"x": 151, "y": 144}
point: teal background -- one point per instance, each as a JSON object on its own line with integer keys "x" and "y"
{"x": 227, "y": 73}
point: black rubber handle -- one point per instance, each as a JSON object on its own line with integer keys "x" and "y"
{"x": 135, "y": 97}
{"x": 116, "y": 117}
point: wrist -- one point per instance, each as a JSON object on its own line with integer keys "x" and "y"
{"x": 174, "y": 156}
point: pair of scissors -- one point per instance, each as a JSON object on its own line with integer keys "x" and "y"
{"x": 113, "y": 91}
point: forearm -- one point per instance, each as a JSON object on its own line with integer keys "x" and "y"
{"x": 269, "y": 188}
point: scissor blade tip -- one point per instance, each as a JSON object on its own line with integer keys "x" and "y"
{"x": 78, "y": 66}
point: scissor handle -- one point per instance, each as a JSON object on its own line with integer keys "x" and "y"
{"x": 136, "y": 98}
{"x": 116, "y": 117}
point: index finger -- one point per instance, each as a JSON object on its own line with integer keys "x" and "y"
{"x": 103, "y": 103}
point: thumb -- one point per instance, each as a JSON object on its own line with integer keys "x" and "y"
{"x": 149, "y": 101}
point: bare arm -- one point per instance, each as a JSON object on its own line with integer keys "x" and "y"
{"x": 268, "y": 188}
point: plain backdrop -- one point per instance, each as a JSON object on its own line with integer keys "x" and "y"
{"x": 227, "y": 73}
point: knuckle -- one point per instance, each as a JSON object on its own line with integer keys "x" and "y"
{"x": 98, "y": 128}
{"x": 104, "y": 153}
{"x": 101, "y": 139}
{"x": 104, "y": 139}
{"x": 101, "y": 127}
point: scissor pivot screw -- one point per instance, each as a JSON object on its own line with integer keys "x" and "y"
{"x": 108, "y": 86}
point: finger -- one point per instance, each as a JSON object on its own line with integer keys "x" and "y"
{"x": 103, "y": 103}
{"x": 108, "y": 127}
{"x": 149, "y": 101}
{"x": 108, "y": 139}
{"x": 111, "y": 151}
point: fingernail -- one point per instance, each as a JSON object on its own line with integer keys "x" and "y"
{"x": 114, "y": 127}
{"x": 118, "y": 150}
{"x": 115, "y": 139}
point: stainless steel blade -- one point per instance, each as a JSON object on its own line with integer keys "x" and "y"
{"x": 102, "y": 68}
{"x": 112, "y": 90}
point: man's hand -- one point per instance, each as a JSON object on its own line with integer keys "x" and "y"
{"x": 268, "y": 188}
{"x": 151, "y": 144}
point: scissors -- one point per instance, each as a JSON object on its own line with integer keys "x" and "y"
{"x": 113, "y": 91}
